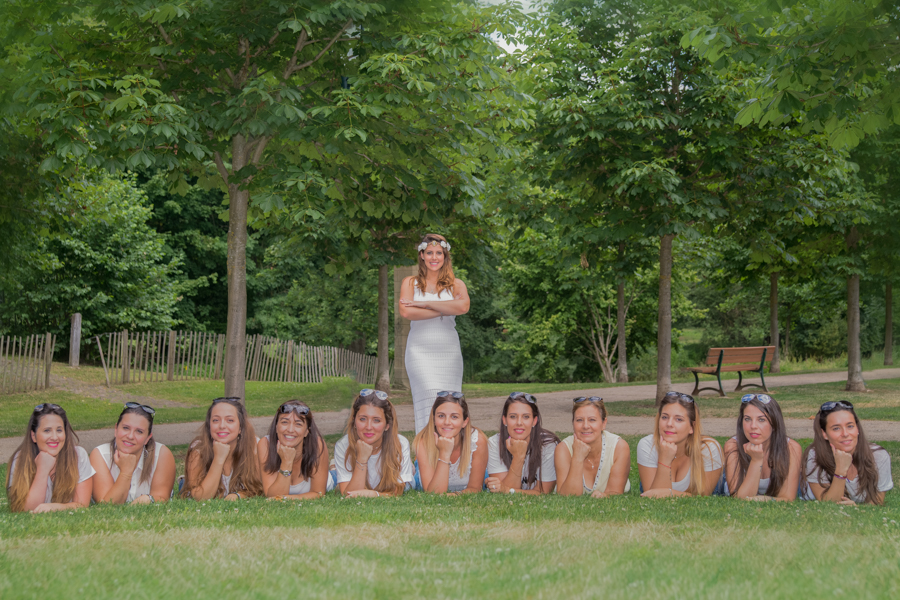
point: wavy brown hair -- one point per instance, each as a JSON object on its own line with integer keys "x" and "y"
{"x": 19, "y": 480}
{"x": 863, "y": 456}
{"x": 426, "y": 436}
{"x": 391, "y": 451}
{"x": 149, "y": 450}
{"x": 779, "y": 450}
{"x": 245, "y": 476}
{"x": 696, "y": 442}
{"x": 312, "y": 446}
{"x": 446, "y": 279}
{"x": 540, "y": 437}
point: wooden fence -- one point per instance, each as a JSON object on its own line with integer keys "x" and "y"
{"x": 130, "y": 357}
{"x": 25, "y": 363}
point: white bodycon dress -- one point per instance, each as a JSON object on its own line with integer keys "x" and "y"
{"x": 433, "y": 359}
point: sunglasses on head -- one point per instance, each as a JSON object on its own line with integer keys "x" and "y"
{"x": 378, "y": 393}
{"x": 764, "y": 398}
{"x": 233, "y": 399}
{"x": 581, "y": 399}
{"x": 829, "y": 406}
{"x": 48, "y": 406}
{"x": 524, "y": 396}
{"x": 455, "y": 395}
{"x": 147, "y": 409}
{"x": 680, "y": 396}
{"x": 297, "y": 408}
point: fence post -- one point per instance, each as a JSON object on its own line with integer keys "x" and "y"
{"x": 75, "y": 341}
{"x": 48, "y": 355}
{"x": 170, "y": 362}
{"x": 126, "y": 356}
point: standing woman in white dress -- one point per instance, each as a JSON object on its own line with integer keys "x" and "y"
{"x": 431, "y": 300}
{"x": 133, "y": 468}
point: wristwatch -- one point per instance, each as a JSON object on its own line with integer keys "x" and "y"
{"x": 285, "y": 473}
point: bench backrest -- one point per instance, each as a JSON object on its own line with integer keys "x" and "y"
{"x": 749, "y": 354}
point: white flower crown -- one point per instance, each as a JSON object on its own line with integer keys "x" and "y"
{"x": 442, "y": 244}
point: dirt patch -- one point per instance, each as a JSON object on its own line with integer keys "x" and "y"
{"x": 110, "y": 394}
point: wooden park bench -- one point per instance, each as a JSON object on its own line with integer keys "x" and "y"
{"x": 743, "y": 360}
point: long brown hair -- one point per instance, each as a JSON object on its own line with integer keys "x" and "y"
{"x": 149, "y": 450}
{"x": 695, "y": 442}
{"x": 391, "y": 451}
{"x": 779, "y": 450}
{"x": 540, "y": 437}
{"x": 863, "y": 455}
{"x": 19, "y": 481}
{"x": 312, "y": 447}
{"x": 245, "y": 476}
{"x": 426, "y": 436}
{"x": 446, "y": 279}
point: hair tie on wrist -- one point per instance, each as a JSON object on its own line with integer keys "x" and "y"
{"x": 664, "y": 465}
{"x": 844, "y": 477}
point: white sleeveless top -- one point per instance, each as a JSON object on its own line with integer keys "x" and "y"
{"x": 607, "y": 458}
{"x": 458, "y": 481}
{"x": 137, "y": 488}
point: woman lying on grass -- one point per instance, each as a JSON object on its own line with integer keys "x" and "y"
{"x": 676, "y": 460}
{"x": 133, "y": 467}
{"x": 373, "y": 458}
{"x": 452, "y": 454}
{"x": 592, "y": 454}
{"x": 841, "y": 466}
{"x": 48, "y": 472}
{"x": 520, "y": 457}
{"x": 293, "y": 457}
{"x": 221, "y": 461}
{"x": 761, "y": 462}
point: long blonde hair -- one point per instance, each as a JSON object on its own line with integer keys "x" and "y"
{"x": 19, "y": 480}
{"x": 446, "y": 279}
{"x": 695, "y": 443}
{"x": 391, "y": 451}
{"x": 245, "y": 474}
{"x": 426, "y": 436}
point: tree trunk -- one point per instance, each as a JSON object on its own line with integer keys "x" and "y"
{"x": 236, "y": 331}
{"x": 787, "y": 334}
{"x": 664, "y": 333}
{"x": 620, "y": 333}
{"x": 383, "y": 363}
{"x": 855, "y": 381}
{"x": 775, "y": 367}
{"x": 888, "y": 324}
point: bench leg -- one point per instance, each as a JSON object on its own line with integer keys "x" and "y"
{"x": 696, "y": 385}
{"x": 719, "y": 377}
{"x": 740, "y": 382}
{"x": 763, "y": 377}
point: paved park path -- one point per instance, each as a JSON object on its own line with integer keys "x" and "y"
{"x": 555, "y": 409}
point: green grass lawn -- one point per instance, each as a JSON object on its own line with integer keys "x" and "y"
{"x": 882, "y": 402}
{"x": 480, "y": 545}
{"x": 263, "y": 398}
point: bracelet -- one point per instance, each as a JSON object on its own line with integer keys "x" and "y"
{"x": 446, "y": 462}
{"x": 362, "y": 464}
{"x": 664, "y": 465}
{"x": 152, "y": 499}
{"x": 377, "y": 494}
{"x": 844, "y": 477}
{"x": 285, "y": 472}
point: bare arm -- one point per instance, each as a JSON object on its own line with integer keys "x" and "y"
{"x": 209, "y": 487}
{"x": 569, "y": 473}
{"x": 107, "y": 489}
{"x": 430, "y": 309}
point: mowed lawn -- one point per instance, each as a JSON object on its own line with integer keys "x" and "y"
{"x": 481, "y": 545}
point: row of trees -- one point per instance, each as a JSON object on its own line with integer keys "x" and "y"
{"x": 346, "y": 129}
